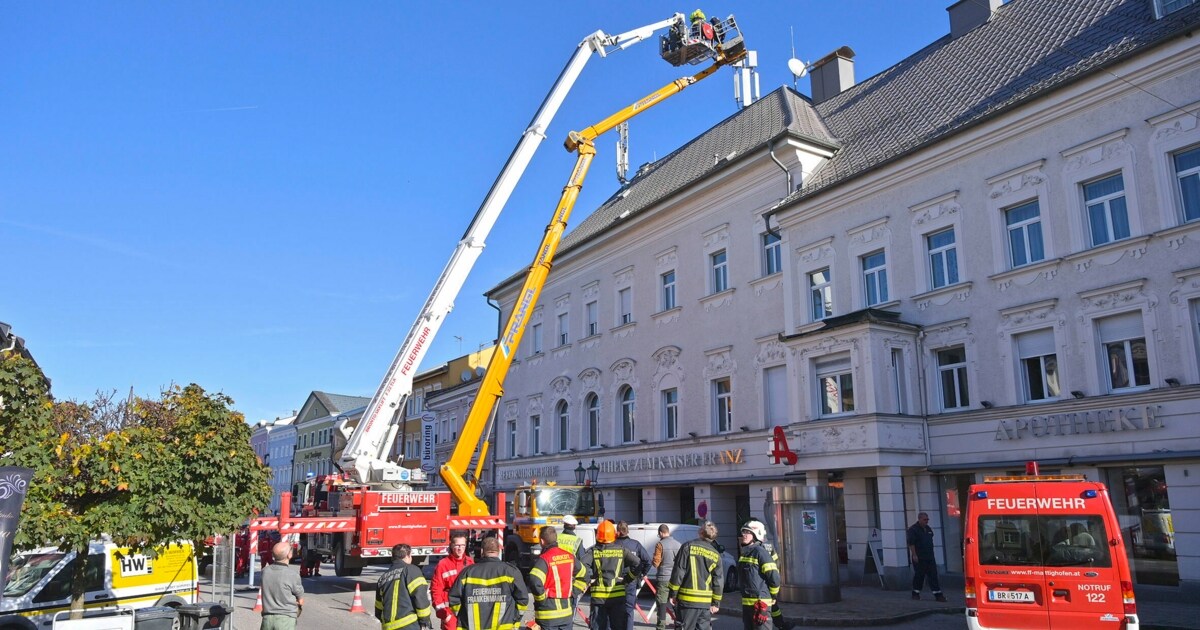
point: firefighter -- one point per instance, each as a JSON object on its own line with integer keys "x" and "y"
{"x": 490, "y": 594}
{"x": 568, "y": 539}
{"x": 776, "y": 611}
{"x": 402, "y": 594}
{"x": 759, "y": 578}
{"x": 609, "y": 568}
{"x": 556, "y": 578}
{"x": 444, "y": 575}
{"x": 642, "y": 568}
{"x": 697, "y": 581}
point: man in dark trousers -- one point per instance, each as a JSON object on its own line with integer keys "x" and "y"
{"x": 609, "y": 567}
{"x": 402, "y": 594}
{"x": 760, "y": 578}
{"x": 697, "y": 581}
{"x": 665, "y": 551}
{"x": 920, "y": 552}
{"x": 282, "y": 592}
{"x": 643, "y": 567}
{"x": 556, "y": 578}
{"x": 490, "y": 594}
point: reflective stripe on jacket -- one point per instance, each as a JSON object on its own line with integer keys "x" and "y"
{"x": 570, "y": 541}
{"x": 444, "y": 574}
{"x": 402, "y": 597}
{"x": 609, "y": 566}
{"x": 697, "y": 580}
{"x": 556, "y": 576}
{"x": 759, "y": 575}
{"x": 489, "y": 595}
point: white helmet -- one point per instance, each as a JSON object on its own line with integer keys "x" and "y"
{"x": 757, "y": 529}
{"x": 570, "y": 520}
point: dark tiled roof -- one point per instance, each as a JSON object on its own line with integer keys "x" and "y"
{"x": 338, "y": 403}
{"x": 1027, "y": 48}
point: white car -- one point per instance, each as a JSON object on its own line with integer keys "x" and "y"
{"x": 647, "y": 534}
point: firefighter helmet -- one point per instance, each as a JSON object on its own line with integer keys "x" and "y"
{"x": 606, "y": 532}
{"x": 697, "y": 16}
{"x": 757, "y": 529}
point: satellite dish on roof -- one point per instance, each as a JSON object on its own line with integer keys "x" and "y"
{"x": 797, "y": 67}
{"x": 480, "y": 371}
{"x": 465, "y": 376}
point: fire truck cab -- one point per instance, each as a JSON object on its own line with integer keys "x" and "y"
{"x": 1045, "y": 551}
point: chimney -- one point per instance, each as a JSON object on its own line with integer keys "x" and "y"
{"x": 832, "y": 74}
{"x": 967, "y": 14}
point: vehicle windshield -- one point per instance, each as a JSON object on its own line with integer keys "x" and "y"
{"x": 559, "y": 501}
{"x": 29, "y": 569}
{"x": 1052, "y": 541}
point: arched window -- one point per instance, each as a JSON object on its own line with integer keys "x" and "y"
{"x": 564, "y": 425}
{"x": 627, "y": 403}
{"x": 593, "y": 416}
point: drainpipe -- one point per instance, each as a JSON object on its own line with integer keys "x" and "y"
{"x": 923, "y": 393}
{"x": 788, "y": 175}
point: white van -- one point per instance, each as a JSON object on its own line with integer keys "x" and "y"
{"x": 39, "y": 582}
{"x": 647, "y": 534}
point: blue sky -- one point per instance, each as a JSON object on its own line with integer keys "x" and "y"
{"x": 258, "y": 196}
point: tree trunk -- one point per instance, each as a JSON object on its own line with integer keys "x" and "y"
{"x": 79, "y": 582}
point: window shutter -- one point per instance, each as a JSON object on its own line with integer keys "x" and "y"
{"x": 1035, "y": 344}
{"x": 1121, "y": 327}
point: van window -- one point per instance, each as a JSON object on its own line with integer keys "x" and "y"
{"x": 29, "y": 569}
{"x": 59, "y": 586}
{"x": 1054, "y": 541}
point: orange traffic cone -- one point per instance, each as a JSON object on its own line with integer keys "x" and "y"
{"x": 356, "y": 606}
{"x": 258, "y": 602}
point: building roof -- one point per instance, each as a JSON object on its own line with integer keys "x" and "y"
{"x": 338, "y": 403}
{"x": 1026, "y": 49}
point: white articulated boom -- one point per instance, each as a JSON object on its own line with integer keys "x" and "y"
{"x": 368, "y": 440}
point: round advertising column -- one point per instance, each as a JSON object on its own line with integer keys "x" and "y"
{"x": 806, "y": 542}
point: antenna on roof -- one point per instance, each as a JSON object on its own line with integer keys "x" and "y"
{"x": 623, "y": 152}
{"x": 798, "y": 68}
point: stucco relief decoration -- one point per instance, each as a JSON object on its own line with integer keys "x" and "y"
{"x": 901, "y": 436}
{"x": 830, "y": 345}
{"x": 535, "y": 405}
{"x": 1027, "y": 278}
{"x": 724, "y": 298}
{"x": 563, "y": 303}
{"x": 1176, "y": 241}
{"x": 1017, "y": 182}
{"x": 949, "y": 333}
{"x": 716, "y": 236}
{"x": 537, "y": 317}
{"x": 1040, "y": 313}
{"x": 720, "y": 363}
{"x": 560, "y": 386}
{"x": 624, "y": 277}
{"x": 668, "y": 317}
{"x": 1186, "y": 283}
{"x": 897, "y": 341}
{"x": 511, "y": 410}
{"x": 623, "y": 374}
{"x": 770, "y": 353}
{"x": 667, "y": 259}
{"x": 591, "y": 290}
{"x": 1094, "y": 155}
{"x": 815, "y": 253}
{"x": 589, "y": 379}
{"x": 1181, "y": 124}
{"x": 875, "y": 232}
{"x": 959, "y": 292}
{"x": 842, "y": 438}
{"x": 1134, "y": 248}
{"x": 936, "y": 211}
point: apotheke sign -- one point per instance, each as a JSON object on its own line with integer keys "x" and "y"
{"x": 1081, "y": 423}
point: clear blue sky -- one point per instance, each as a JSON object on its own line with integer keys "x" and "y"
{"x": 258, "y": 196}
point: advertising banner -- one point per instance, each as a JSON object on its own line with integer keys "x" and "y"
{"x": 14, "y": 482}
{"x": 427, "y": 447}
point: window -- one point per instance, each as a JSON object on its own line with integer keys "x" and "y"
{"x": 1050, "y": 541}
{"x": 820, "y": 288}
{"x": 670, "y": 413}
{"x": 1187, "y": 171}
{"x": 952, "y": 377}
{"x": 943, "y": 259}
{"x": 564, "y": 425}
{"x": 564, "y": 329}
{"x": 775, "y": 396}
{"x": 875, "y": 278}
{"x": 535, "y": 338}
{"x": 624, "y": 306}
{"x": 1108, "y": 220}
{"x": 593, "y": 319}
{"x": 1039, "y": 365}
{"x": 723, "y": 405}
{"x": 1024, "y": 234}
{"x": 720, "y": 271}
{"x": 1166, "y": 7}
{"x": 512, "y": 438}
{"x": 1124, "y": 343}
{"x": 668, "y": 290}
{"x": 535, "y": 435}
{"x": 593, "y": 416}
{"x": 772, "y": 254}
{"x": 628, "y": 434}
{"x": 836, "y": 382}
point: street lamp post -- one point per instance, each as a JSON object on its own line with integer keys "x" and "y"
{"x": 579, "y": 473}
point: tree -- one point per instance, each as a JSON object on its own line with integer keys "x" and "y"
{"x": 145, "y": 472}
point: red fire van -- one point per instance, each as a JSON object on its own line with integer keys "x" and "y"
{"x": 1045, "y": 551}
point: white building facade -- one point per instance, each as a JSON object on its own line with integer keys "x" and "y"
{"x": 981, "y": 259}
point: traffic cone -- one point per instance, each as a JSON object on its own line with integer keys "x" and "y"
{"x": 356, "y": 606}
{"x": 258, "y": 602}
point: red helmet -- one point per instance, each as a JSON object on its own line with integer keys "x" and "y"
{"x": 606, "y": 532}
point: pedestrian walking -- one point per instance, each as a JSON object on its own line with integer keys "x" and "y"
{"x": 609, "y": 568}
{"x": 759, "y": 578}
{"x": 556, "y": 578}
{"x": 697, "y": 581}
{"x": 920, "y": 552}
{"x": 282, "y": 591}
{"x": 490, "y": 594}
{"x": 444, "y": 575}
{"x": 568, "y": 539}
{"x": 643, "y": 567}
{"x": 402, "y": 594}
{"x": 663, "y": 561}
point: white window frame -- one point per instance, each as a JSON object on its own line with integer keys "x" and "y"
{"x": 837, "y": 371}
{"x": 1038, "y": 348}
{"x": 592, "y": 325}
{"x": 667, "y": 284}
{"x": 718, "y": 263}
{"x": 874, "y": 277}
{"x": 624, "y": 306}
{"x": 772, "y": 249}
{"x": 670, "y": 412}
{"x": 722, "y": 404}
{"x": 948, "y": 254}
{"x": 512, "y": 438}
{"x": 1177, "y": 180}
{"x": 959, "y": 377}
{"x": 825, "y": 289}
{"x": 563, "y": 411}
{"x": 1163, "y": 8}
{"x": 564, "y": 329}
{"x": 535, "y": 433}
{"x": 627, "y": 410}
{"x": 1121, "y": 332}
{"x": 1023, "y": 229}
{"x": 592, "y": 403}
{"x": 535, "y": 339}
{"x": 1106, "y": 203}
{"x": 1092, "y": 162}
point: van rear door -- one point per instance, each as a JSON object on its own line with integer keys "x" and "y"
{"x": 1010, "y": 583}
{"x": 1084, "y": 588}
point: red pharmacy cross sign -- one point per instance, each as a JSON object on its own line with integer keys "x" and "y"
{"x": 780, "y": 453}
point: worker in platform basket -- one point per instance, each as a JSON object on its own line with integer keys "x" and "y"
{"x": 609, "y": 568}
{"x": 759, "y": 578}
{"x": 444, "y": 576}
{"x": 402, "y": 594}
{"x": 490, "y": 594}
{"x": 556, "y": 578}
{"x": 568, "y": 539}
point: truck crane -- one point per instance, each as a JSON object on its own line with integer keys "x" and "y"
{"x": 356, "y": 516}
{"x": 536, "y": 505}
